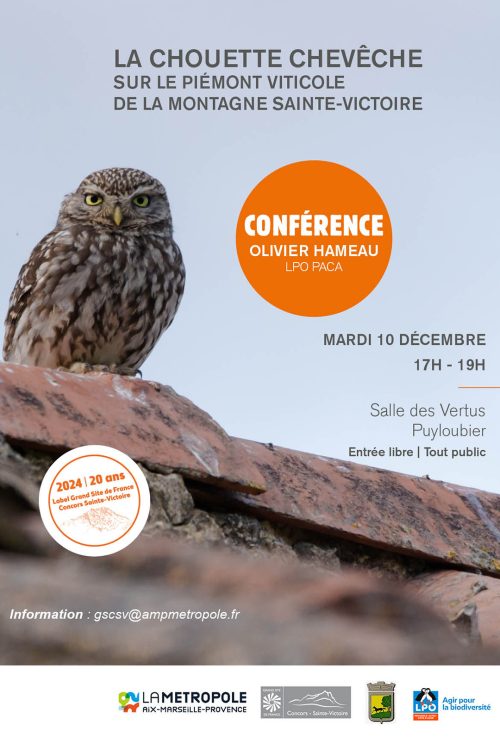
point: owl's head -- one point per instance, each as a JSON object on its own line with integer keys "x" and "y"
{"x": 117, "y": 199}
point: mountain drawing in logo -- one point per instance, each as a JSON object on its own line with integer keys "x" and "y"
{"x": 325, "y": 699}
{"x": 98, "y": 519}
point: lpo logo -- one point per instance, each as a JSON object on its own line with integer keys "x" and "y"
{"x": 425, "y": 705}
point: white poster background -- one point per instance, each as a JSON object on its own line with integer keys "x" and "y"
{"x": 77, "y": 707}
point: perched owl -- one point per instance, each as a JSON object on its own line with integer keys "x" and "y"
{"x": 101, "y": 287}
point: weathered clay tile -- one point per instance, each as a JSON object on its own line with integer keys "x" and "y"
{"x": 416, "y": 516}
{"x": 452, "y": 591}
{"x": 411, "y": 515}
{"x": 56, "y": 411}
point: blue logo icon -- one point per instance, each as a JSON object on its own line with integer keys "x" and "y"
{"x": 425, "y": 705}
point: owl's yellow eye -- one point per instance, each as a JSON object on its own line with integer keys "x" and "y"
{"x": 92, "y": 199}
{"x": 141, "y": 200}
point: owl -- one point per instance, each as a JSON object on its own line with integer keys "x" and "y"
{"x": 98, "y": 291}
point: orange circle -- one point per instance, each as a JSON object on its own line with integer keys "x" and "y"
{"x": 109, "y": 458}
{"x": 314, "y": 238}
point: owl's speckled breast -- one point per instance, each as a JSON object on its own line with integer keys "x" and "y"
{"x": 99, "y": 297}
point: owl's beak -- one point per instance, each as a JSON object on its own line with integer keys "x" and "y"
{"x": 117, "y": 216}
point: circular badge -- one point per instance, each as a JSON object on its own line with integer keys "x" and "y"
{"x": 94, "y": 500}
{"x": 314, "y": 238}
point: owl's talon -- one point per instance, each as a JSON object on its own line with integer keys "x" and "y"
{"x": 126, "y": 372}
{"x": 84, "y": 368}
{"x": 79, "y": 368}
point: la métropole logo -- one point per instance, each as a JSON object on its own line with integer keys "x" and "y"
{"x": 128, "y": 701}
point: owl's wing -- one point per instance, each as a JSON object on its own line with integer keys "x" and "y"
{"x": 181, "y": 280}
{"x": 22, "y": 290}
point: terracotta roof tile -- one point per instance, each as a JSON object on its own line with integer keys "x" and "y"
{"x": 414, "y": 516}
{"x": 56, "y": 410}
{"x": 451, "y": 591}
{"x": 411, "y": 515}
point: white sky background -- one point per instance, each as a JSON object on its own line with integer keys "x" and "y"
{"x": 261, "y": 373}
